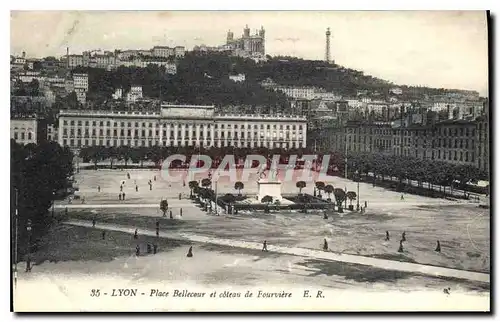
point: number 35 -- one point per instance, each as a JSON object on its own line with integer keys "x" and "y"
{"x": 95, "y": 293}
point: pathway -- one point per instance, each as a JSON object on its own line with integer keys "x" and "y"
{"x": 429, "y": 270}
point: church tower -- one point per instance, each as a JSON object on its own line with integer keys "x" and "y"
{"x": 230, "y": 37}
{"x": 262, "y": 34}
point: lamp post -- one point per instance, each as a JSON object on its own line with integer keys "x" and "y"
{"x": 53, "y": 202}
{"x": 28, "y": 262}
{"x": 357, "y": 193}
{"x": 216, "y": 181}
{"x": 16, "y": 237}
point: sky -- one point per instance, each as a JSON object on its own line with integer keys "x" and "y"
{"x": 446, "y": 49}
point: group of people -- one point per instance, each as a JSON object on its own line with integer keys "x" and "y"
{"x": 403, "y": 239}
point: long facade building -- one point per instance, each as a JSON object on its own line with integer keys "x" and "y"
{"x": 180, "y": 125}
{"x": 459, "y": 142}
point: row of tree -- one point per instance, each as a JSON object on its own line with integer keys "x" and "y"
{"x": 407, "y": 169}
{"x": 38, "y": 174}
{"x": 380, "y": 166}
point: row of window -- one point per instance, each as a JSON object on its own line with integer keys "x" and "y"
{"x": 442, "y": 155}
{"x": 445, "y": 143}
{"x": 442, "y": 132}
{"x": 179, "y": 134}
{"x": 23, "y": 136}
{"x": 201, "y": 126}
{"x": 149, "y": 143}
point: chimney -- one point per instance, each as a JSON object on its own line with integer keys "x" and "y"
{"x": 24, "y": 54}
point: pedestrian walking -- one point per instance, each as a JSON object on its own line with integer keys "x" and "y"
{"x": 157, "y": 224}
{"x": 155, "y": 178}
{"x": 128, "y": 175}
{"x": 123, "y": 196}
{"x": 137, "y": 250}
{"x": 135, "y": 234}
{"x": 181, "y": 212}
{"x": 136, "y": 188}
{"x": 403, "y": 236}
{"x": 171, "y": 216}
{"x": 103, "y": 235}
{"x": 120, "y": 196}
{"x": 93, "y": 222}
{"x": 28, "y": 265}
{"x": 264, "y": 247}
{"x": 190, "y": 252}
{"x": 325, "y": 215}
{"x": 387, "y": 238}
{"x": 180, "y": 196}
{"x": 402, "y": 197}
{"x": 438, "y": 247}
{"x": 155, "y": 248}
{"x": 149, "y": 248}
{"x": 366, "y": 204}
{"x": 121, "y": 188}
{"x": 157, "y": 232}
{"x": 150, "y": 187}
{"x": 98, "y": 188}
{"x": 325, "y": 245}
{"x": 400, "y": 250}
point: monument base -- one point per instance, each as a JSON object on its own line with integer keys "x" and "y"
{"x": 269, "y": 188}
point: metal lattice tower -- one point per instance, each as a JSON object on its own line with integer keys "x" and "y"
{"x": 327, "y": 50}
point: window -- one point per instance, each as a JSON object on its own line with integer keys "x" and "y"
{"x": 16, "y": 135}
{"x": 108, "y": 132}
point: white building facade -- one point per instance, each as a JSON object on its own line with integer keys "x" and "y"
{"x": 24, "y": 130}
{"x": 180, "y": 125}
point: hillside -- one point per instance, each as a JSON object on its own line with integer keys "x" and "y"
{"x": 204, "y": 79}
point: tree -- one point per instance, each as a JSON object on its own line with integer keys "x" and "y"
{"x": 33, "y": 88}
{"x": 239, "y": 186}
{"x": 124, "y": 153}
{"x": 351, "y": 195}
{"x": 206, "y": 183}
{"x": 164, "y": 206}
{"x": 267, "y": 200}
{"x": 192, "y": 186}
{"x": 320, "y": 185}
{"x": 340, "y": 196}
{"x": 329, "y": 190}
{"x": 37, "y": 173}
{"x": 301, "y": 185}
